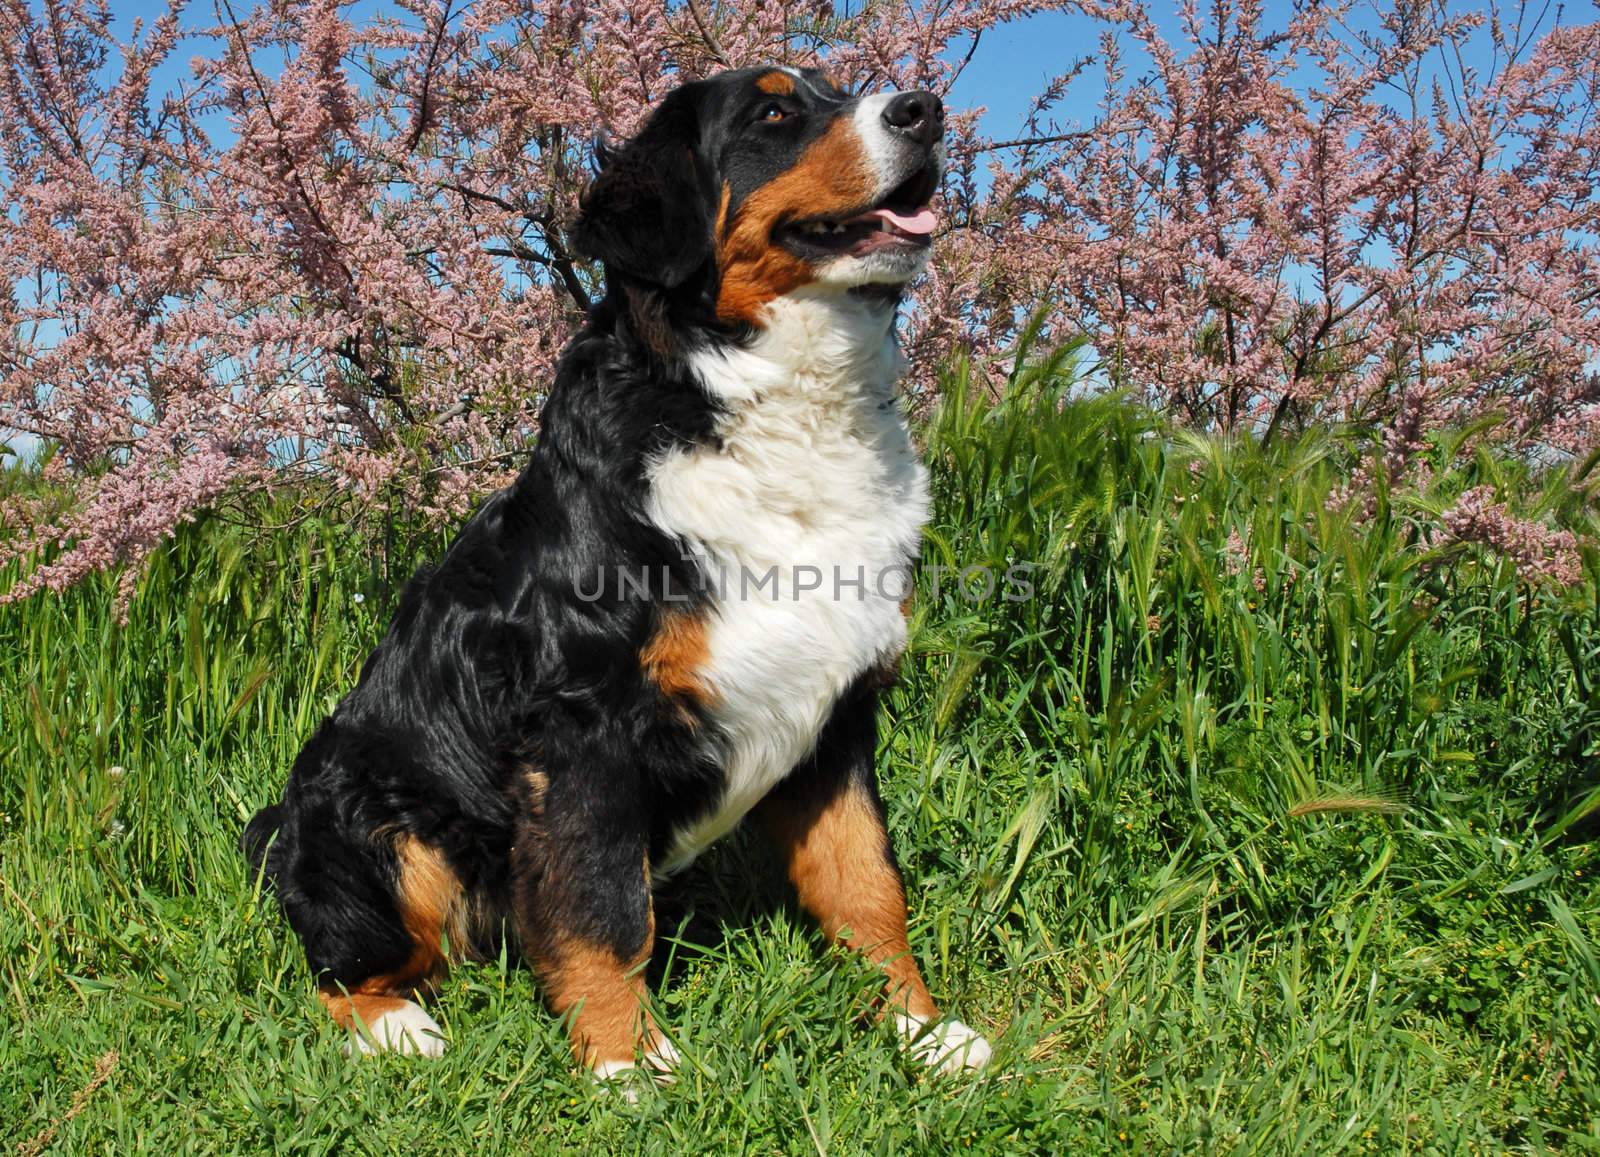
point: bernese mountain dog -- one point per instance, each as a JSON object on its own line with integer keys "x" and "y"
{"x": 681, "y": 613}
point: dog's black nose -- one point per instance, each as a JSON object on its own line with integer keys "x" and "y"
{"x": 919, "y": 115}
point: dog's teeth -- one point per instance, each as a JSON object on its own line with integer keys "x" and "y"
{"x": 838, "y": 228}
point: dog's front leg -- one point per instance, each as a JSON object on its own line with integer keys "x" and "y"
{"x": 584, "y": 913}
{"x": 827, "y": 821}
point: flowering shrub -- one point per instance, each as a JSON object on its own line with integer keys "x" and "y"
{"x": 340, "y": 251}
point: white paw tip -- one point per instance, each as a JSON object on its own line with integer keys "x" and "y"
{"x": 664, "y": 1057}
{"x": 407, "y": 1030}
{"x": 657, "y": 1064}
{"x": 946, "y": 1046}
{"x": 606, "y": 1070}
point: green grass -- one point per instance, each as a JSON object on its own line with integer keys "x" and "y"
{"x": 1276, "y": 853}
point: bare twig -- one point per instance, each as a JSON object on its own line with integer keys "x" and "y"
{"x": 472, "y": 194}
{"x": 41, "y": 1140}
{"x": 560, "y": 263}
{"x": 1028, "y": 142}
{"x": 955, "y": 75}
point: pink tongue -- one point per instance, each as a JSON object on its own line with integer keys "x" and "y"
{"x": 922, "y": 221}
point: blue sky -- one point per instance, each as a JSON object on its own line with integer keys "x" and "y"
{"x": 1015, "y": 61}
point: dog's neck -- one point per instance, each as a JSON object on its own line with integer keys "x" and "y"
{"x": 830, "y": 347}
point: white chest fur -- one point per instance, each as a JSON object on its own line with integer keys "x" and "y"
{"x": 809, "y": 511}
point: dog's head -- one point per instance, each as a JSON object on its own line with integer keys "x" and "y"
{"x": 751, "y": 184}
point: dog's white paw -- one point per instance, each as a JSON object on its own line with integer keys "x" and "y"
{"x": 608, "y": 1070}
{"x": 657, "y": 1064}
{"x": 407, "y": 1030}
{"x": 662, "y": 1059}
{"x": 945, "y": 1046}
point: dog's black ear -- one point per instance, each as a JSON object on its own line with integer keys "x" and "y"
{"x": 648, "y": 211}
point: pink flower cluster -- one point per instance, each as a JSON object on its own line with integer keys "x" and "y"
{"x": 1536, "y": 550}
{"x": 339, "y": 252}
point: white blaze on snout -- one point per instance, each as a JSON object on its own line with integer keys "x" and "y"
{"x": 890, "y": 156}
{"x": 887, "y": 155}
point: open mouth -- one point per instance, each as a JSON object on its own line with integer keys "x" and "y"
{"x": 901, "y": 221}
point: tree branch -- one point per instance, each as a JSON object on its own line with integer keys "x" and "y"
{"x": 713, "y": 45}
{"x": 420, "y": 125}
{"x": 560, "y": 263}
{"x": 1026, "y": 142}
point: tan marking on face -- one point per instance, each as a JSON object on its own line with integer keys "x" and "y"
{"x": 832, "y": 177}
{"x": 906, "y": 604}
{"x": 838, "y": 861}
{"x": 676, "y": 656}
{"x": 604, "y": 995}
{"x": 777, "y": 83}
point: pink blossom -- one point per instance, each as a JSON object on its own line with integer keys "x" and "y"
{"x": 1235, "y": 552}
{"x": 1538, "y": 551}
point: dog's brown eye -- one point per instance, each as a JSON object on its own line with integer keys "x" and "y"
{"x": 772, "y": 113}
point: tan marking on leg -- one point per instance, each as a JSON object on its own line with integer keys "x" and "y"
{"x": 346, "y": 1007}
{"x": 605, "y": 996}
{"x": 777, "y": 83}
{"x": 431, "y": 906}
{"x": 676, "y": 655}
{"x": 831, "y": 177}
{"x": 837, "y": 854}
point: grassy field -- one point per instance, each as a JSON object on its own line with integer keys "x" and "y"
{"x": 1266, "y": 825}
